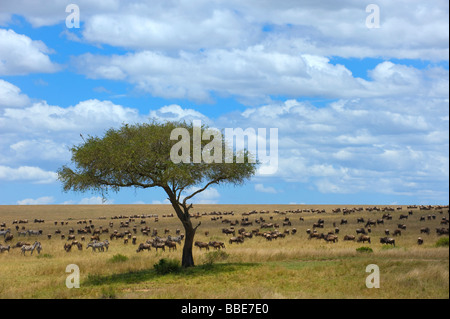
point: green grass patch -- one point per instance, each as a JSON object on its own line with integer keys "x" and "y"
{"x": 118, "y": 258}
{"x": 364, "y": 249}
{"x": 442, "y": 242}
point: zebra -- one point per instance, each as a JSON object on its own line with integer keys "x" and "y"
{"x": 36, "y": 245}
{"x": 176, "y": 239}
{"x": 34, "y": 232}
{"x": 100, "y": 245}
{"x": 4, "y": 232}
{"x": 3, "y": 248}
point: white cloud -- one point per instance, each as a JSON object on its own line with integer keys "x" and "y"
{"x": 256, "y": 73}
{"x": 261, "y": 188}
{"x": 27, "y": 173}
{"x": 209, "y": 196}
{"x": 95, "y": 200}
{"x": 46, "y": 200}
{"x": 19, "y": 55}
{"x": 11, "y": 96}
{"x": 384, "y": 145}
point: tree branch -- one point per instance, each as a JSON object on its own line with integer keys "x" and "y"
{"x": 217, "y": 180}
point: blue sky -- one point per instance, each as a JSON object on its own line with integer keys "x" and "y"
{"x": 362, "y": 113}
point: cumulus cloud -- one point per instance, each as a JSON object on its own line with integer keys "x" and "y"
{"x": 256, "y": 73}
{"x": 360, "y": 145}
{"x": 45, "y": 200}
{"x": 20, "y": 55}
{"x": 209, "y": 196}
{"x": 408, "y": 28}
{"x": 263, "y": 189}
{"x": 11, "y": 96}
{"x": 27, "y": 173}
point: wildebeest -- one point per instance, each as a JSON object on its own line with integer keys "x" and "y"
{"x": 397, "y": 232}
{"x": 201, "y": 245}
{"x": 364, "y": 238}
{"x": 216, "y": 244}
{"x": 425, "y": 230}
{"x": 387, "y": 241}
{"x": 361, "y": 231}
{"x": 419, "y": 241}
{"x": 144, "y": 246}
{"x": 238, "y": 239}
{"x": 349, "y": 237}
{"x": 171, "y": 244}
{"x": 330, "y": 238}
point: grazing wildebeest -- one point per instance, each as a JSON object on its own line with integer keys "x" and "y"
{"x": 144, "y": 246}
{"x": 364, "y": 238}
{"x": 159, "y": 245}
{"x": 329, "y": 238}
{"x": 361, "y": 231}
{"x": 349, "y": 237}
{"x": 419, "y": 241}
{"x": 387, "y": 241}
{"x": 201, "y": 245}
{"x": 397, "y": 232}
{"x": 171, "y": 244}
{"x": 216, "y": 244}
{"x": 238, "y": 239}
{"x": 425, "y": 230}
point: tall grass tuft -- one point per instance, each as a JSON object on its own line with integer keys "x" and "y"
{"x": 364, "y": 249}
{"x": 442, "y": 242}
{"x": 167, "y": 266}
{"x": 118, "y": 258}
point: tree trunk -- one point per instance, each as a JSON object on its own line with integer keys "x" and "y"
{"x": 188, "y": 260}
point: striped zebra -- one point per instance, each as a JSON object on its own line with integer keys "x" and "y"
{"x": 34, "y": 232}
{"x": 100, "y": 245}
{"x": 4, "y": 232}
{"x": 36, "y": 245}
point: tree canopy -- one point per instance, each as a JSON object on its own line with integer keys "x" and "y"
{"x": 139, "y": 156}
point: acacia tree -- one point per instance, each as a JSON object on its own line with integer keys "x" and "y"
{"x": 139, "y": 156}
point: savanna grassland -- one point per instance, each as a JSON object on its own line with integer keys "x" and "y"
{"x": 290, "y": 267}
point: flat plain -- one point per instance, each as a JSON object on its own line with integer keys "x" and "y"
{"x": 289, "y": 267}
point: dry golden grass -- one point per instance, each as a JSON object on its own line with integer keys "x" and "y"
{"x": 291, "y": 267}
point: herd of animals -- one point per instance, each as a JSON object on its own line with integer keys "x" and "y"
{"x": 261, "y": 222}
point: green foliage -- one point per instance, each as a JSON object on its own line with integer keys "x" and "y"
{"x": 167, "y": 266}
{"x": 118, "y": 258}
{"x": 442, "y": 242}
{"x": 139, "y": 156}
{"x": 364, "y": 249}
